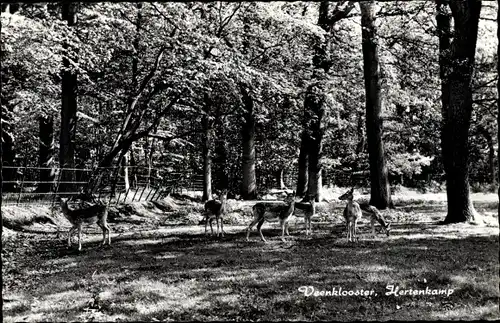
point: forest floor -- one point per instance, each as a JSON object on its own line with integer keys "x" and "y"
{"x": 161, "y": 266}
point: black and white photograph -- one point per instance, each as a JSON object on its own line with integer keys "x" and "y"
{"x": 250, "y": 161}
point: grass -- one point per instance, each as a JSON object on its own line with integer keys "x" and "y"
{"x": 160, "y": 270}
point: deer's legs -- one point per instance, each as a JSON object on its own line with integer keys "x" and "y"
{"x": 79, "y": 237}
{"x": 105, "y": 228}
{"x": 259, "y": 228}
{"x": 372, "y": 222}
{"x": 254, "y": 222}
{"x": 221, "y": 226}
{"x": 308, "y": 225}
{"x": 354, "y": 231}
{"x": 211, "y": 226}
{"x": 109, "y": 233}
{"x": 70, "y": 232}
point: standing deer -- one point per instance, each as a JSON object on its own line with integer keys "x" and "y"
{"x": 309, "y": 210}
{"x": 265, "y": 211}
{"x": 94, "y": 214}
{"x": 215, "y": 210}
{"x": 353, "y": 212}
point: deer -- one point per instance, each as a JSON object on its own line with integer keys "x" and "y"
{"x": 93, "y": 214}
{"x": 353, "y": 212}
{"x": 266, "y": 211}
{"x": 215, "y": 210}
{"x": 309, "y": 210}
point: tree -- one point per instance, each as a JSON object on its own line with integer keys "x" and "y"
{"x": 46, "y": 152}
{"x": 69, "y": 95}
{"x": 249, "y": 183}
{"x": 379, "y": 183}
{"x": 457, "y": 65}
{"x": 303, "y": 178}
{"x": 310, "y": 160}
{"x": 207, "y": 149}
{"x": 498, "y": 102}
{"x": 316, "y": 102}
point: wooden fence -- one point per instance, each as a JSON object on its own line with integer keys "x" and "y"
{"x": 39, "y": 185}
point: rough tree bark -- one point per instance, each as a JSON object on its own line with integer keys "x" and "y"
{"x": 322, "y": 60}
{"x": 221, "y": 153}
{"x": 315, "y": 102}
{"x": 303, "y": 178}
{"x": 69, "y": 105}
{"x": 249, "y": 183}
{"x": 125, "y": 164}
{"x": 11, "y": 8}
{"x": 360, "y": 133}
{"x": 280, "y": 183}
{"x": 380, "y": 190}
{"x": 491, "y": 154}
{"x": 46, "y": 153}
{"x": 8, "y": 152}
{"x": 457, "y": 66}
{"x": 206, "y": 150}
{"x": 498, "y": 104}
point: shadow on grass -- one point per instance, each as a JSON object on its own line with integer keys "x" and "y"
{"x": 184, "y": 276}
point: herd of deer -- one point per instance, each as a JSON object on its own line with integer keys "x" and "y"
{"x": 269, "y": 211}
{"x": 262, "y": 212}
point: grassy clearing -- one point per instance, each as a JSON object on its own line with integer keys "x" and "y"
{"x": 157, "y": 269}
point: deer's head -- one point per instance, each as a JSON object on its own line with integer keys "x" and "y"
{"x": 349, "y": 195}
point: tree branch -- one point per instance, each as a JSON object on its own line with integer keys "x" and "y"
{"x": 159, "y": 117}
{"x": 227, "y": 20}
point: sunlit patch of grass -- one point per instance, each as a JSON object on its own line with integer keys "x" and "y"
{"x": 176, "y": 273}
{"x": 482, "y": 312}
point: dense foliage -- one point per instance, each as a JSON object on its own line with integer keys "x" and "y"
{"x": 171, "y": 57}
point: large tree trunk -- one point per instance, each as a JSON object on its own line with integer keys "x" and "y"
{"x": 498, "y": 104}
{"x": 491, "y": 154}
{"x": 249, "y": 184}
{"x": 135, "y": 58}
{"x": 306, "y": 184}
{"x": 360, "y": 133}
{"x": 443, "y": 21}
{"x": 380, "y": 191}
{"x": 314, "y": 103}
{"x": 11, "y": 8}
{"x": 303, "y": 178}
{"x": 125, "y": 165}
{"x": 206, "y": 151}
{"x": 8, "y": 156}
{"x": 280, "y": 183}
{"x": 457, "y": 69}
{"x": 221, "y": 152}
{"x": 69, "y": 107}
{"x": 46, "y": 153}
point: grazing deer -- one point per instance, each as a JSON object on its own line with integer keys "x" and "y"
{"x": 353, "y": 212}
{"x": 265, "y": 211}
{"x": 94, "y": 214}
{"x": 216, "y": 209}
{"x": 309, "y": 210}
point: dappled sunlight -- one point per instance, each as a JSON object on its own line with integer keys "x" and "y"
{"x": 485, "y": 312}
{"x": 177, "y": 272}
